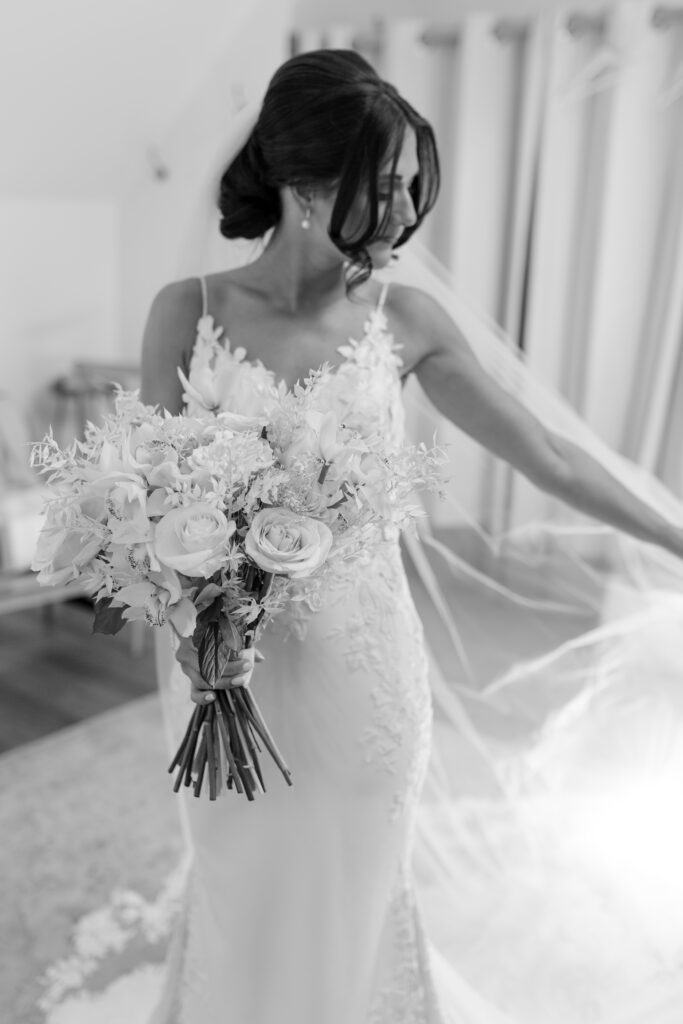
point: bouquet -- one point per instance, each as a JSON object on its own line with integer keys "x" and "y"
{"x": 210, "y": 525}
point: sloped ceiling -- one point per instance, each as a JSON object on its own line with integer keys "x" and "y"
{"x": 88, "y": 86}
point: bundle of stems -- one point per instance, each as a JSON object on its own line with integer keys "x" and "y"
{"x": 223, "y": 737}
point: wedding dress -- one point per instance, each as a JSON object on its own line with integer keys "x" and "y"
{"x": 301, "y": 907}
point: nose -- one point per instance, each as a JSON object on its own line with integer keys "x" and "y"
{"x": 404, "y": 208}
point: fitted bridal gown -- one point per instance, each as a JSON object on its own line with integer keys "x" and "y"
{"x": 506, "y": 860}
{"x": 301, "y": 904}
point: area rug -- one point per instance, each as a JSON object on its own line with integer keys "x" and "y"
{"x": 92, "y": 864}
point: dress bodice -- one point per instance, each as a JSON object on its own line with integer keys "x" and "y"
{"x": 364, "y": 388}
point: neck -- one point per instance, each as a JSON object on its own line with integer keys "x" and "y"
{"x": 296, "y": 277}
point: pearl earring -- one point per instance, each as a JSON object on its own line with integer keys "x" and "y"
{"x": 306, "y": 222}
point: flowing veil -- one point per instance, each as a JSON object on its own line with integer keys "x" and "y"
{"x": 549, "y": 846}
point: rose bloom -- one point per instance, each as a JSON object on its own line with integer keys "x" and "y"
{"x": 314, "y": 438}
{"x": 193, "y": 540}
{"x": 282, "y": 541}
{"x": 61, "y": 554}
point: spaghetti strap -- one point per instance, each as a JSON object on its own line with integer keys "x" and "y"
{"x": 205, "y": 300}
{"x": 382, "y": 297}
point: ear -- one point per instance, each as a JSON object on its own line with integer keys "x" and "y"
{"x": 303, "y": 195}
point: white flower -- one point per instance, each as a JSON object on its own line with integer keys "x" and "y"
{"x": 234, "y": 455}
{"x": 314, "y": 438}
{"x": 158, "y": 599}
{"x": 280, "y": 541}
{"x": 221, "y": 380}
{"x": 127, "y": 506}
{"x": 194, "y": 539}
{"x": 61, "y": 554}
{"x": 237, "y": 422}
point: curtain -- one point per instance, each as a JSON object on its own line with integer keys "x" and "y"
{"x": 561, "y": 213}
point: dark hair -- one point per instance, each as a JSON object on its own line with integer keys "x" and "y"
{"x": 327, "y": 119}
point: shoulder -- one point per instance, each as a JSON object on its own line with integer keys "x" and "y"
{"x": 168, "y": 339}
{"x": 172, "y": 320}
{"x": 179, "y": 299}
{"x": 419, "y": 323}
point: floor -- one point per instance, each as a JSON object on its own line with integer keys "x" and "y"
{"x": 55, "y": 672}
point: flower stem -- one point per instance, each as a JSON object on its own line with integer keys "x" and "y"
{"x": 181, "y": 746}
{"x": 200, "y": 763}
{"x": 256, "y": 718}
{"x": 189, "y": 749}
{"x": 243, "y": 766}
{"x": 225, "y": 737}
{"x": 210, "y": 753}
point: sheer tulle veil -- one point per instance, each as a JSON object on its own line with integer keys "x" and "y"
{"x": 548, "y": 844}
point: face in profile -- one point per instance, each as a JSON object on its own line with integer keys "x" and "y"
{"x": 393, "y": 195}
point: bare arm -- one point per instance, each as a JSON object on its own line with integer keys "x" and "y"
{"x": 167, "y": 343}
{"x": 469, "y": 397}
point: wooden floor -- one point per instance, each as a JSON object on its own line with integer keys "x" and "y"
{"x": 54, "y": 671}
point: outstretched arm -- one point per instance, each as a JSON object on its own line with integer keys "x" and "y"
{"x": 469, "y": 397}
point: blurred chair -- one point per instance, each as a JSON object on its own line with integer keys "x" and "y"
{"x": 86, "y": 393}
{"x": 21, "y": 490}
{"x": 22, "y": 495}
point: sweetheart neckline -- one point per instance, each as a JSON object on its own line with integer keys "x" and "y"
{"x": 376, "y": 319}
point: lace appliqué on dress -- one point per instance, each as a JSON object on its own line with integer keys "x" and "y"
{"x": 408, "y": 997}
{"x": 193, "y": 973}
{"x": 222, "y": 379}
{"x": 366, "y": 389}
{"x": 374, "y": 638}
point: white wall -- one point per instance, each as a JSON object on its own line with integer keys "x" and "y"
{"x": 87, "y": 235}
{"x": 165, "y": 225}
{"x": 59, "y": 289}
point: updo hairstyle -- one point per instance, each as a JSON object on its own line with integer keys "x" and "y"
{"x": 327, "y": 120}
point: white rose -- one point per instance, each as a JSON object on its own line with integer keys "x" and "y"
{"x": 193, "y": 540}
{"x": 315, "y": 438}
{"x": 151, "y": 456}
{"x": 301, "y": 448}
{"x": 281, "y": 541}
{"x": 62, "y": 554}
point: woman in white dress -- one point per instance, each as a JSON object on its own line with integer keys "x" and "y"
{"x": 301, "y": 906}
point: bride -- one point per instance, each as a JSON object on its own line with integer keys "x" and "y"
{"x": 302, "y": 906}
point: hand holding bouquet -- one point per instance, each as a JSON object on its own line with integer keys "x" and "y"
{"x": 207, "y": 524}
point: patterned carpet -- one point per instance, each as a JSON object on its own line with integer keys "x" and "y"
{"x": 90, "y": 833}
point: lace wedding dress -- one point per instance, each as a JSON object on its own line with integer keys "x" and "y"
{"x": 301, "y": 905}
